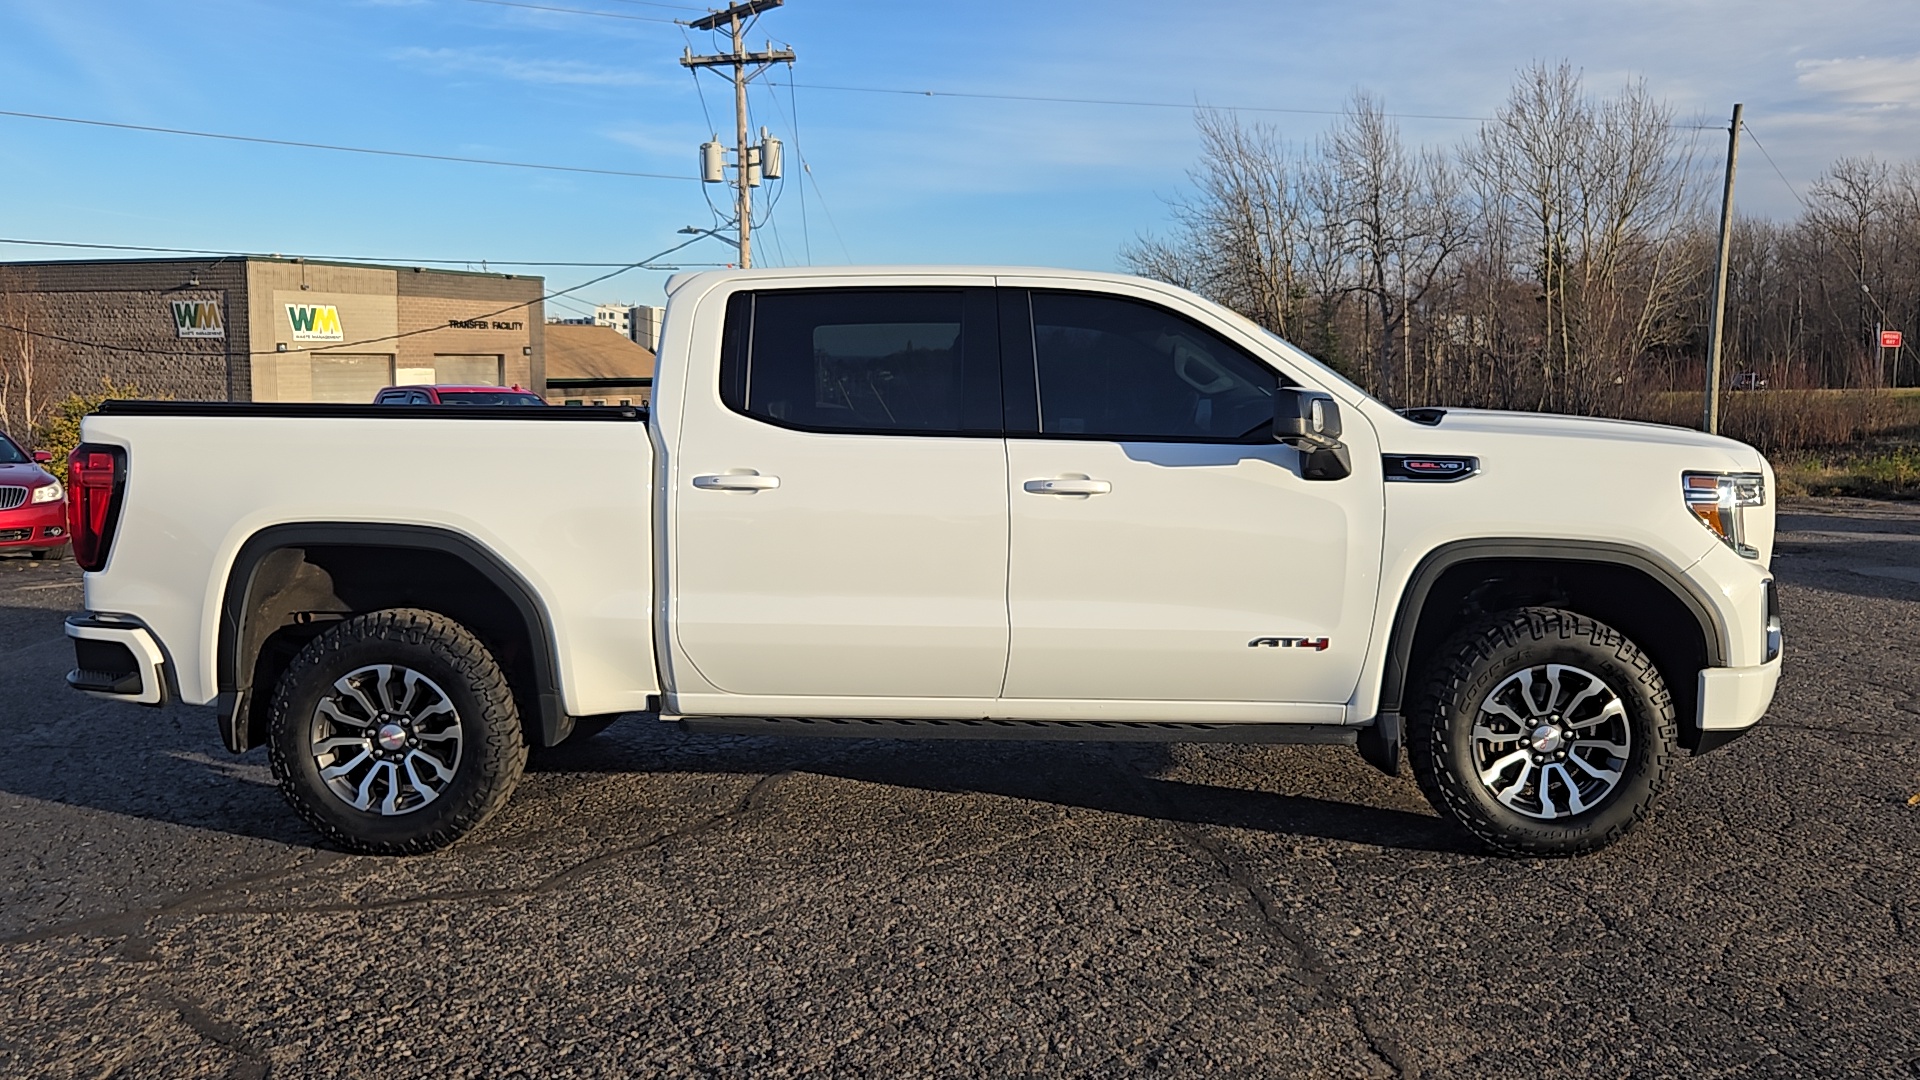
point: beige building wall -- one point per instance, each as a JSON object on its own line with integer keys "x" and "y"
{"x": 362, "y": 298}
{"x": 414, "y": 326}
{"x": 473, "y": 315}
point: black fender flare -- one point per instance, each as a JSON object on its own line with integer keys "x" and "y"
{"x": 1413, "y": 598}
{"x": 236, "y": 648}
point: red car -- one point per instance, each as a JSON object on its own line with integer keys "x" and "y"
{"x": 456, "y": 395}
{"x": 33, "y": 505}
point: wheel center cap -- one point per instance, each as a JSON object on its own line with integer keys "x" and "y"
{"x": 391, "y": 736}
{"x": 1546, "y": 738}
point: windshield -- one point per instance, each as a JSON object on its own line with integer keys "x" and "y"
{"x": 488, "y": 397}
{"x": 10, "y": 454}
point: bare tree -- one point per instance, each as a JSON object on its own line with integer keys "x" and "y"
{"x": 1238, "y": 233}
{"x": 1558, "y": 259}
{"x": 1404, "y": 223}
{"x": 1601, "y": 196}
{"x": 18, "y": 399}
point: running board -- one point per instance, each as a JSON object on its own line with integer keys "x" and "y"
{"x": 1043, "y": 730}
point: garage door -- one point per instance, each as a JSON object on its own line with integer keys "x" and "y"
{"x": 350, "y": 379}
{"x": 466, "y": 369}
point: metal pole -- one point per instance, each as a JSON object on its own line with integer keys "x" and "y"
{"x": 741, "y": 171}
{"x": 1711, "y": 421}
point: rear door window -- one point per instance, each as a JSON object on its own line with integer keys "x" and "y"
{"x": 865, "y": 361}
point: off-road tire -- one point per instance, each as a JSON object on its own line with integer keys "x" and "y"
{"x": 493, "y": 749}
{"x": 1479, "y": 658}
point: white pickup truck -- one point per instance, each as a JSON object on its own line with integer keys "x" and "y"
{"x": 978, "y": 503}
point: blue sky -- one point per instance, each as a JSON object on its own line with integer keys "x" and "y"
{"x": 897, "y": 177}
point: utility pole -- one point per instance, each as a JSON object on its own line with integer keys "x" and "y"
{"x": 749, "y": 160}
{"x": 1711, "y": 422}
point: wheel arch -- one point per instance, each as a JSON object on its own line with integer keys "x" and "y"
{"x": 1633, "y": 590}
{"x": 288, "y": 582}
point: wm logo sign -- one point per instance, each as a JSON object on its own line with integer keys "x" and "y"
{"x": 314, "y": 322}
{"x": 198, "y": 319}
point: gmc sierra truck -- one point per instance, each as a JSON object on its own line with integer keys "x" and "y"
{"x": 945, "y": 503}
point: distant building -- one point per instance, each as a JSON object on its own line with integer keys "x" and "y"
{"x": 619, "y": 317}
{"x": 553, "y": 321}
{"x": 595, "y": 365}
{"x": 267, "y": 329}
{"x": 639, "y": 323}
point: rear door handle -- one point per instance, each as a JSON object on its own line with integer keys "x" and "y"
{"x": 1068, "y": 487}
{"x": 736, "y": 482}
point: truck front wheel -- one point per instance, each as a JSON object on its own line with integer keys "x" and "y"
{"x": 1542, "y": 732}
{"x": 395, "y": 733}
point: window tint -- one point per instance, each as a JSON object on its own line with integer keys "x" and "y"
{"x": 11, "y": 454}
{"x": 865, "y": 360}
{"x": 1111, "y": 368}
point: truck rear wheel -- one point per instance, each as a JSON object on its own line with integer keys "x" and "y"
{"x": 1542, "y": 732}
{"x": 395, "y": 733}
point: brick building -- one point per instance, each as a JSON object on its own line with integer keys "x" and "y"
{"x": 261, "y": 329}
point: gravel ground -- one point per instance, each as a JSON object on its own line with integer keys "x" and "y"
{"x": 655, "y": 903}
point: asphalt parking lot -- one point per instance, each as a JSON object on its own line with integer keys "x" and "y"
{"x": 655, "y": 903}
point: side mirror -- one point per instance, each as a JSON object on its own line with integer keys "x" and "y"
{"x": 1309, "y": 421}
{"x": 1305, "y": 417}
{"x": 41, "y": 457}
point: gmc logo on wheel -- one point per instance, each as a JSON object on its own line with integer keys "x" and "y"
{"x": 1317, "y": 644}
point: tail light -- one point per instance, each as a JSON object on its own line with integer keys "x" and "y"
{"x": 96, "y": 479}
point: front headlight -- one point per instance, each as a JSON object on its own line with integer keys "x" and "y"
{"x": 49, "y": 493}
{"x": 1718, "y": 500}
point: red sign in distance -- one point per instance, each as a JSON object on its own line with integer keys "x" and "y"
{"x": 1890, "y": 339}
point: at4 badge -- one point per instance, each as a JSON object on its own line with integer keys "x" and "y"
{"x": 1317, "y": 644}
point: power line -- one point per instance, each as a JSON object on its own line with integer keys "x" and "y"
{"x": 793, "y": 105}
{"x": 312, "y": 258}
{"x": 342, "y": 149}
{"x": 1776, "y": 167}
{"x": 1117, "y": 101}
{"x": 658, "y": 4}
{"x": 1164, "y": 104}
{"x": 580, "y": 11}
{"x": 643, "y": 263}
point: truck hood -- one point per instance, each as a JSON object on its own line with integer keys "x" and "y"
{"x": 1468, "y": 422}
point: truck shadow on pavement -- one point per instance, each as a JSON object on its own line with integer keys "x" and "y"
{"x": 166, "y": 766}
{"x": 1113, "y": 778}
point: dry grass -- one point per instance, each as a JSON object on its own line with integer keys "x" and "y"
{"x": 1863, "y": 443}
{"x": 1790, "y": 422}
{"x": 1872, "y": 474}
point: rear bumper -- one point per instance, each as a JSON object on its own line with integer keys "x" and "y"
{"x": 42, "y": 525}
{"x": 117, "y": 659}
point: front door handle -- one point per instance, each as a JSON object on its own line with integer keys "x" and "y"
{"x": 1068, "y": 487}
{"x": 736, "y": 482}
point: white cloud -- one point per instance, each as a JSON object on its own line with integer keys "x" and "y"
{"x": 549, "y": 72}
{"x": 1864, "y": 80}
